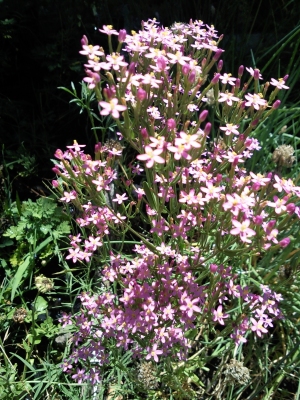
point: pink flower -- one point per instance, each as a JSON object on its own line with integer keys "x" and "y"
{"x": 69, "y": 196}
{"x": 230, "y": 128}
{"x": 258, "y": 327}
{"x": 190, "y": 307}
{"x": 280, "y": 84}
{"x": 112, "y": 107}
{"x": 219, "y": 316}
{"x": 228, "y": 97}
{"x": 242, "y": 229}
{"x": 255, "y": 100}
{"x": 151, "y": 156}
{"x": 120, "y": 198}
{"x": 153, "y": 353}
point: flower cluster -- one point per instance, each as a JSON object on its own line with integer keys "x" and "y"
{"x": 192, "y": 208}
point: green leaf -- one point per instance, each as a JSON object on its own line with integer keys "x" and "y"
{"x": 40, "y": 305}
{"x": 18, "y": 277}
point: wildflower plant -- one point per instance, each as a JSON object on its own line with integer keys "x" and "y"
{"x": 168, "y": 215}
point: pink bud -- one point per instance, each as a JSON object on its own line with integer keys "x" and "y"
{"x": 207, "y": 128}
{"x": 256, "y": 74}
{"x": 141, "y": 94}
{"x": 171, "y": 124}
{"x": 98, "y": 147}
{"x": 254, "y": 122}
{"x": 237, "y": 83}
{"x": 213, "y": 268}
{"x": 203, "y": 115}
{"x": 84, "y": 41}
{"x": 203, "y": 62}
{"x": 185, "y": 69}
{"x": 217, "y": 55}
{"x": 220, "y": 65}
{"x": 131, "y": 68}
{"x": 285, "y": 78}
{"x": 285, "y": 242}
{"x": 290, "y": 208}
{"x": 55, "y": 170}
{"x": 215, "y": 79}
{"x": 240, "y": 71}
{"x": 59, "y": 154}
{"x": 258, "y": 219}
{"x": 55, "y": 183}
{"x": 192, "y": 77}
{"x": 276, "y": 104}
{"x": 122, "y": 35}
{"x": 161, "y": 63}
{"x": 144, "y": 133}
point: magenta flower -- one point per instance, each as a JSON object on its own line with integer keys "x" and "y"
{"x": 219, "y": 316}
{"x": 153, "y": 353}
{"x": 258, "y": 327}
{"x": 112, "y": 107}
{"x": 190, "y": 306}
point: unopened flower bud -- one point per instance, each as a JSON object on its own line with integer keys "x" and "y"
{"x": 207, "y": 129}
{"x": 192, "y": 77}
{"x": 84, "y": 41}
{"x": 185, "y": 69}
{"x": 55, "y": 170}
{"x": 98, "y": 147}
{"x": 290, "y": 208}
{"x": 258, "y": 220}
{"x": 276, "y": 104}
{"x": 213, "y": 268}
{"x": 237, "y": 83}
{"x": 131, "y": 68}
{"x": 171, "y": 124}
{"x": 55, "y": 183}
{"x": 217, "y": 55}
{"x": 256, "y": 74}
{"x": 203, "y": 115}
{"x": 240, "y": 71}
{"x": 144, "y": 133}
{"x": 203, "y": 62}
{"x": 122, "y": 35}
{"x": 285, "y": 78}
{"x": 161, "y": 63}
{"x": 141, "y": 94}
{"x": 215, "y": 79}
{"x": 220, "y": 66}
{"x": 285, "y": 242}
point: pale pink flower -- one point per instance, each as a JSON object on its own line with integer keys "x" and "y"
{"x": 219, "y": 316}
{"x": 112, "y": 107}
{"x": 255, "y": 100}
{"x": 120, "y": 198}
{"x": 69, "y": 196}
{"x": 229, "y": 129}
{"x": 227, "y": 78}
{"x": 108, "y": 29}
{"x": 116, "y": 61}
{"x": 280, "y": 84}
{"x": 279, "y": 204}
{"x": 151, "y": 156}
{"x": 242, "y": 229}
{"x": 91, "y": 51}
{"x": 258, "y": 327}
